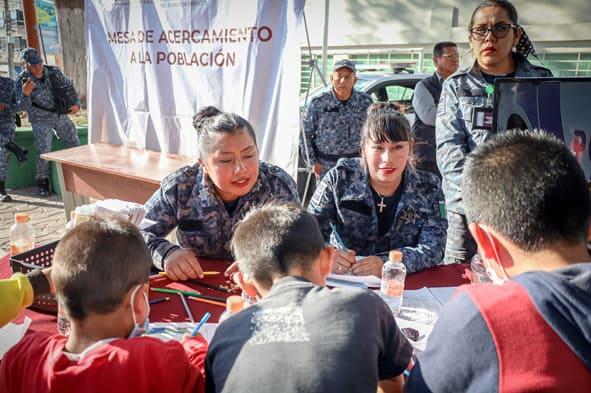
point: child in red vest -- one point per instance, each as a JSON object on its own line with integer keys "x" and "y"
{"x": 100, "y": 273}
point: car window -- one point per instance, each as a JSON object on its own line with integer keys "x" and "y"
{"x": 399, "y": 93}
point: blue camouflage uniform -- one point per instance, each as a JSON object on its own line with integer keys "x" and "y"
{"x": 8, "y": 97}
{"x": 332, "y": 128}
{"x": 187, "y": 200}
{"x": 344, "y": 198}
{"x": 40, "y": 106}
{"x": 456, "y": 138}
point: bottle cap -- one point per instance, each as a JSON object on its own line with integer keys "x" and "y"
{"x": 234, "y": 304}
{"x": 21, "y": 218}
{"x": 395, "y": 255}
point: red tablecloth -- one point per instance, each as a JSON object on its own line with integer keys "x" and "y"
{"x": 173, "y": 311}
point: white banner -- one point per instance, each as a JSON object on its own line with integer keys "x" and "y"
{"x": 152, "y": 64}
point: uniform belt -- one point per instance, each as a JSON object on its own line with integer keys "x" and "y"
{"x": 43, "y": 107}
{"x": 335, "y": 157}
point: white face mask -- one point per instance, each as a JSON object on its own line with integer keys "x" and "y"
{"x": 138, "y": 329}
{"x": 490, "y": 272}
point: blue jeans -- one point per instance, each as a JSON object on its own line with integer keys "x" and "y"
{"x": 460, "y": 246}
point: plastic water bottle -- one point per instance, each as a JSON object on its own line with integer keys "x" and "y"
{"x": 478, "y": 270}
{"x": 22, "y": 234}
{"x": 393, "y": 276}
{"x": 234, "y": 304}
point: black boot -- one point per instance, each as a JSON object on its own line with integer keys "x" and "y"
{"x": 43, "y": 185}
{"x": 4, "y": 197}
{"x": 19, "y": 152}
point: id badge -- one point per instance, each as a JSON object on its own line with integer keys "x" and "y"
{"x": 482, "y": 118}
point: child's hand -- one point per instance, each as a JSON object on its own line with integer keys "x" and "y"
{"x": 187, "y": 336}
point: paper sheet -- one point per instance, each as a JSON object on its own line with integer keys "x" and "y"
{"x": 11, "y": 334}
{"x": 369, "y": 281}
{"x": 175, "y": 330}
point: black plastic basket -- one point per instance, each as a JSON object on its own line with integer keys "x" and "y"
{"x": 39, "y": 257}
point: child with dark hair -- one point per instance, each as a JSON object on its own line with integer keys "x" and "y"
{"x": 528, "y": 208}
{"x": 100, "y": 273}
{"x": 379, "y": 202}
{"x": 301, "y": 336}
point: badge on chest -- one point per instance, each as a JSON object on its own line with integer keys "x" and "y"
{"x": 482, "y": 118}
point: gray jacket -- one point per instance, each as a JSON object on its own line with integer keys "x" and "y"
{"x": 456, "y": 138}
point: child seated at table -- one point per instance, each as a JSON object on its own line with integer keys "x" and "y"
{"x": 100, "y": 273}
{"x": 301, "y": 336}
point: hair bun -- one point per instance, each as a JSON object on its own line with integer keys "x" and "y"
{"x": 204, "y": 113}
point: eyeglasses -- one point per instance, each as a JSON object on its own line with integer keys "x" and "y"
{"x": 500, "y": 30}
{"x": 451, "y": 56}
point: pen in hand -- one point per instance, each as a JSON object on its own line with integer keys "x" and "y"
{"x": 337, "y": 236}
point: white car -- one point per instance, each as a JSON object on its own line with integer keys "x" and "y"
{"x": 381, "y": 86}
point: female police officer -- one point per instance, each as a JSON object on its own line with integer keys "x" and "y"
{"x": 204, "y": 202}
{"x": 464, "y": 115}
{"x": 378, "y": 203}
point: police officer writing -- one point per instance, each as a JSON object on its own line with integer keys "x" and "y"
{"x": 464, "y": 116}
{"x": 48, "y": 104}
{"x": 206, "y": 201}
{"x": 425, "y": 100}
{"x": 8, "y": 107}
{"x": 378, "y": 203}
{"x": 332, "y": 122}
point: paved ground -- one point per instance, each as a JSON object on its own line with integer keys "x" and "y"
{"x": 47, "y": 216}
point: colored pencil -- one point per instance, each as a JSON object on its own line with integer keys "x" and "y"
{"x": 197, "y": 282}
{"x": 186, "y": 306}
{"x": 189, "y": 293}
{"x": 208, "y": 273}
{"x": 159, "y": 300}
{"x": 206, "y": 316}
{"x": 206, "y": 285}
{"x": 197, "y": 299}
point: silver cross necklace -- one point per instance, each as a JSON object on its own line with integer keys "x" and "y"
{"x": 381, "y": 205}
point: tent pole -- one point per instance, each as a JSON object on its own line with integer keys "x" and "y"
{"x": 325, "y": 37}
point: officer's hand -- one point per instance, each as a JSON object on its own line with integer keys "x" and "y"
{"x": 28, "y": 87}
{"x": 2, "y": 106}
{"x": 370, "y": 266}
{"x": 74, "y": 109}
{"x": 343, "y": 260}
{"x": 318, "y": 168}
{"x": 182, "y": 265}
